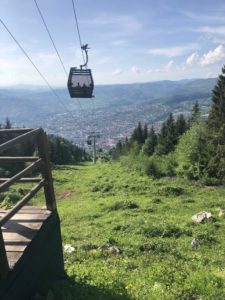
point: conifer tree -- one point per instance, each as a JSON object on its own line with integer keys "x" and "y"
{"x": 195, "y": 113}
{"x": 150, "y": 143}
{"x": 216, "y": 117}
{"x": 145, "y": 132}
{"x": 138, "y": 134}
{"x": 167, "y": 138}
{"x": 181, "y": 124}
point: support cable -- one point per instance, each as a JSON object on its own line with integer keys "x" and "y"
{"x": 50, "y": 36}
{"x": 53, "y": 43}
{"x": 36, "y": 68}
{"x": 78, "y": 30}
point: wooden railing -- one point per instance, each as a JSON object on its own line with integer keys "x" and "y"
{"x": 40, "y": 162}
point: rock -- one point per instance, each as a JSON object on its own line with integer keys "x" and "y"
{"x": 110, "y": 248}
{"x": 201, "y": 216}
{"x": 195, "y": 243}
{"x": 68, "y": 248}
{"x": 221, "y": 213}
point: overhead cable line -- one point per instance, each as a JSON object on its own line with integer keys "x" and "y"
{"x": 53, "y": 43}
{"x": 36, "y": 68}
{"x": 78, "y": 30}
{"x": 28, "y": 57}
{"x": 81, "y": 45}
{"x": 50, "y": 36}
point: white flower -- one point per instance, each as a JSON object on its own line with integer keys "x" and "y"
{"x": 69, "y": 248}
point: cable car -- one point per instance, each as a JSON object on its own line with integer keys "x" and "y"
{"x": 80, "y": 82}
{"x": 89, "y": 142}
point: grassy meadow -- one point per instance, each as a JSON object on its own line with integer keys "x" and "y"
{"x": 132, "y": 236}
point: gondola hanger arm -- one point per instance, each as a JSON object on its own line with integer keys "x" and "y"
{"x": 85, "y": 49}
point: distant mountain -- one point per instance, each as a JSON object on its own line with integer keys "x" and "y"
{"x": 114, "y": 111}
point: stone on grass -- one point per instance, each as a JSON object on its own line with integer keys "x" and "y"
{"x": 195, "y": 243}
{"x": 221, "y": 213}
{"x": 201, "y": 216}
{"x": 68, "y": 248}
{"x": 110, "y": 248}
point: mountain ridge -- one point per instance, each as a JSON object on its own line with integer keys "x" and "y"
{"x": 114, "y": 111}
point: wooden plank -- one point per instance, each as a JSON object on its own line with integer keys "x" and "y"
{"x": 16, "y": 130}
{"x": 43, "y": 150}
{"x": 20, "y": 230}
{"x": 21, "y": 203}
{"x": 17, "y": 159}
{"x": 19, "y": 175}
{"x": 4, "y": 265}
{"x": 24, "y": 180}
{"x": 19, "y": 139}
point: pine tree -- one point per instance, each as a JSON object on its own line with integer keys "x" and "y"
{"x": 145, "y": 132}
{"x": 216, "y": 117}
{"x": 8, "y": 124}
{"x": 167, "y": 138}
{"x": 181, "y": 124}
{"x": 138, "y": 134}
{"x": 195, "y": 113}
{"x": 150, "y": 143}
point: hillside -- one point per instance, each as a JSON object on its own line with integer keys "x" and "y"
{"x": 114, "y": 112}
{"x": 131, "y": 236}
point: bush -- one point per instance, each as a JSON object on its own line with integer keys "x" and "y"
{"x": 211, "y": 181}
{"x": 171, "y": 191}
{"x": 126, "y": 204}
{"x": 153, "y": 169}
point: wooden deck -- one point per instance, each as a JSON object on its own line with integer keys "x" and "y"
{"x": 19, "y": 231}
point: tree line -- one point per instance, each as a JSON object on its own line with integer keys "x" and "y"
{"x": 61, "y": 151}
{"x": 193, "y": 147}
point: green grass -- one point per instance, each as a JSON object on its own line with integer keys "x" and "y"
{"x": 150, "y": 222}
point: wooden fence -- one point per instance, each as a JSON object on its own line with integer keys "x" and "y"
{"x": 39, "y": 162}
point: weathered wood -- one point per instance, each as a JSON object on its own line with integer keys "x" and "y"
{"x": 41, "y": 263}
{"x": 17, "y": 159}
{"x": 19, "y": 175}
{"x": 19, "y": 139}
{"x": 19, "y": 231}
{"x": 4, "y": 266}
{"x": 24, "y": 180}
{"x": 16, "y": 130}
{"x": 43, "y": 150}
{"x": 21, "y": 203}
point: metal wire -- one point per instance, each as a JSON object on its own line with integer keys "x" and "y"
{"x": 50, "y": 36}
{"x": 78, "y": 30}
{"x": 36, "y": 68}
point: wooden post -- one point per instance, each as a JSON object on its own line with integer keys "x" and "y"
{"x": 46, "y": 171}
{"x": 4, "y": 266}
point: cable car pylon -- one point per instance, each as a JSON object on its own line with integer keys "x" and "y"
{"x": 91, "y": 140}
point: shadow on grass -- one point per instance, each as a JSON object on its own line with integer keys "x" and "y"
{"x": 70, "y": 290}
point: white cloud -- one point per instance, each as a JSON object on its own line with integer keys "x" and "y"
{"x": 135, "y": 69}
{"x": 169, "y": 66}
{"x": 192, "y": 59}
{"x": 117, "y": 72}
{"x": 212, "y": 29}
{"x": 173, "y": 51}
{"x": 124, "y": 22}
{"x": 213, "y": 56}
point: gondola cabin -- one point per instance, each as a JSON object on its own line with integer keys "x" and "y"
{"x": 80, "y": 83}
{"x": 89, "y": 142}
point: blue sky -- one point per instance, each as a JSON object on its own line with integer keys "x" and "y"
{"x": 131, "y": 41}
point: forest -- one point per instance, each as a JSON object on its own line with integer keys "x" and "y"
{"x": 193, "y": 148}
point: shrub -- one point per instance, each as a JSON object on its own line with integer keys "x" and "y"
{"x": 211, "y": 181}
{"x": 171, "y": 191}
{"x": 126, "y": 204}
{"x": 152, "y": 169}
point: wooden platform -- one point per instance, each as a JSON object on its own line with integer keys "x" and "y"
{"x": 20, "y": 230}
